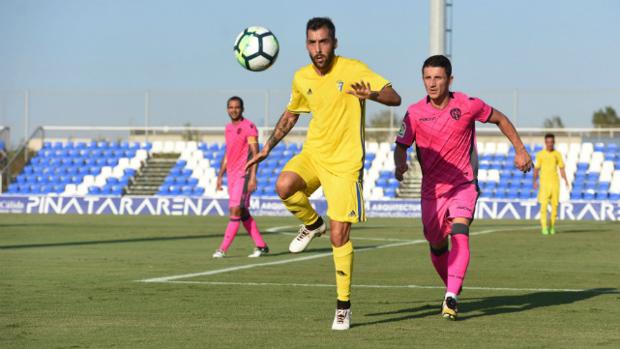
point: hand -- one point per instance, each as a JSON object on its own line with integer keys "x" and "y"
{"x": 260, "y": 156}
{"x": 218, "y": 185}
{"x": 523, "y": 161}
{"x": 535, "y": 185}
{"x": 399, "y": 171}
{"x": 567, "y": 185}
{"x": 252, "y": 185}
{"x": 360, "y": 90}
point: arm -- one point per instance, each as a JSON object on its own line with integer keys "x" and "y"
{"x": 563, "y": 174}
{"x": 220, "y": 174}
{"x": 387, "y": 95}
{"x": 400, "y": 160}
{"x": 283, "y": 127}
{"x": 535, "y": 178}
{"x": 523, "y": 161}
{"x": 253, "y": 148}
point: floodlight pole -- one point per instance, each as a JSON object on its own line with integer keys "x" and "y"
{"x": 147, "y": 100}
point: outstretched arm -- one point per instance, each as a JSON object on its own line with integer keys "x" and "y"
{"x": 523, "y": 161}
{"x": 387, "y": 95}
{"x": 283, "y": 127}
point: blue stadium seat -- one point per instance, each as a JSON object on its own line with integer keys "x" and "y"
{"x": 198, "y": 191}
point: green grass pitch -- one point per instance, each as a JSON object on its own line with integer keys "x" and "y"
{"x": 74, "y": 282}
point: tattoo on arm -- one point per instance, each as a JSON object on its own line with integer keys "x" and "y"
{"x": 283, "y": 127}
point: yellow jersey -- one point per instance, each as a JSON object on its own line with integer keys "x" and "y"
{"x": 336, "y": 131}
{"x": 548, "y": 162}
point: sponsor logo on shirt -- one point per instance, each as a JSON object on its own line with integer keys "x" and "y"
{"x": 430, "y": 118}
{"x": 239, "y": 131}
{"x": 455, "y": 113}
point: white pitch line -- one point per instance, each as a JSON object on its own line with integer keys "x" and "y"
{"x": 226, "y": 283}
{"x": 305, "y": 258}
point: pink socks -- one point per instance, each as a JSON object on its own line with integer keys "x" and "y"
{"x": 458, "y": 260}
{"x": 231, "y": 232}
{"x": 250, "y": 225}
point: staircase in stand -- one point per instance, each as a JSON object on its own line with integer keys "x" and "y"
{"x": 151, "y": 176}
{"x": 411, "y": 186}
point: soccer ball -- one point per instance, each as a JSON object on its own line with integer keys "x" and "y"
{"x": 256, "y": 48}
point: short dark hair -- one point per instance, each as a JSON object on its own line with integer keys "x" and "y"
{"x": 317, "y": 23}
{"x": 235, "y": 98}
{"x": 438, "y": 61}
{"x": 550, "y": 135}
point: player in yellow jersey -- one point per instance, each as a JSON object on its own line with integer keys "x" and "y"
{"x": 335, "y": 90}
{"x": 548, "y": 161}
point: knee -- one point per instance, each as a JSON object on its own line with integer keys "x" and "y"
{"x": 235, "y": 211}
{"x": 284, "y": 189}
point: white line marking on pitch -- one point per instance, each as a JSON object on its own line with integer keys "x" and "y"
{"x": 225, "y": 283}
{"x": 306, "y": 258}
{"x": 277, "y": 230}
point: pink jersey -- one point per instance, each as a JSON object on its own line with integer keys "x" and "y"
{"x": 445, "y": 141}
{"x": 237, "y": 149}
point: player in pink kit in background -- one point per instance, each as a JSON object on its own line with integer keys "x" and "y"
{"x": 442, "y": 125}
{"x": 241, "y": 144}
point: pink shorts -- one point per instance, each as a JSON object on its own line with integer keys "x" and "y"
{"x": 238, "y": 195}
{"x": 437, "y": 214}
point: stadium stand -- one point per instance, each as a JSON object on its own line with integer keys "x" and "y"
{"x": 113, "y": 168}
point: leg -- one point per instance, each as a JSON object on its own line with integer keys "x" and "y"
{"x": 434, "y": 218}
{"x": 292, "y": 190}
{"x": 231, "y": 229}
{"x": 544, "y": 202}
{"x": 439, "y": 258}
{"x": 458, "y": 258}
{"x": 343, "y": 261}
{"x": 252, "y": 228}
{"x": 295, "y": 184}
{"x": 345, "y": 207}
{"x": 555, "y": 201}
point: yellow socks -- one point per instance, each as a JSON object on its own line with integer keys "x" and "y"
{"x": 343, "y": 261}
{"x": 299, "y": 205}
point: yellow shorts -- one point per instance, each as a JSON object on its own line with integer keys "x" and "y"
{"x": 549, "y": 192}
{"x": 345, "y": 202}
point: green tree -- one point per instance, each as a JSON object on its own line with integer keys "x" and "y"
{"x": 605, "y": 118}
{"x": 553, "y": 122}
{"x": 190, "y": 135}
{"x": 380, "y": 119}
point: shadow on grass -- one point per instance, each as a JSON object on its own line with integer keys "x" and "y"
{"x": 490, "y": 306}
{"x": 104, "y": 242}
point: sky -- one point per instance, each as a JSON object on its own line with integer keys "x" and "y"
{"x": 89, "y": 62}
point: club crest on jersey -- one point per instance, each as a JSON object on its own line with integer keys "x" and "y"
{"x": 340, "y": 85}
{"x": 455, "y": 113}
{"x": 309, "y": 93}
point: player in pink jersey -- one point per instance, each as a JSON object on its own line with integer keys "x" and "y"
{"x": 442, "y": 125}
{"x": 241, "y": 144}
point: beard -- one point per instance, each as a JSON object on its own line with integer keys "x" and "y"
{"x": 322, "y": 60}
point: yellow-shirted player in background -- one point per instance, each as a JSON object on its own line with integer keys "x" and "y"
{"x": 334, "y": 89}
{"x": 548, "y": 161}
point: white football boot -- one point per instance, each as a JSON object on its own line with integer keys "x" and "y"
{"x": 342, "y": 320}
{"x": 259, "y": 251}
{"x": 219, "y": 254}
{"x": 303, "y": 238}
